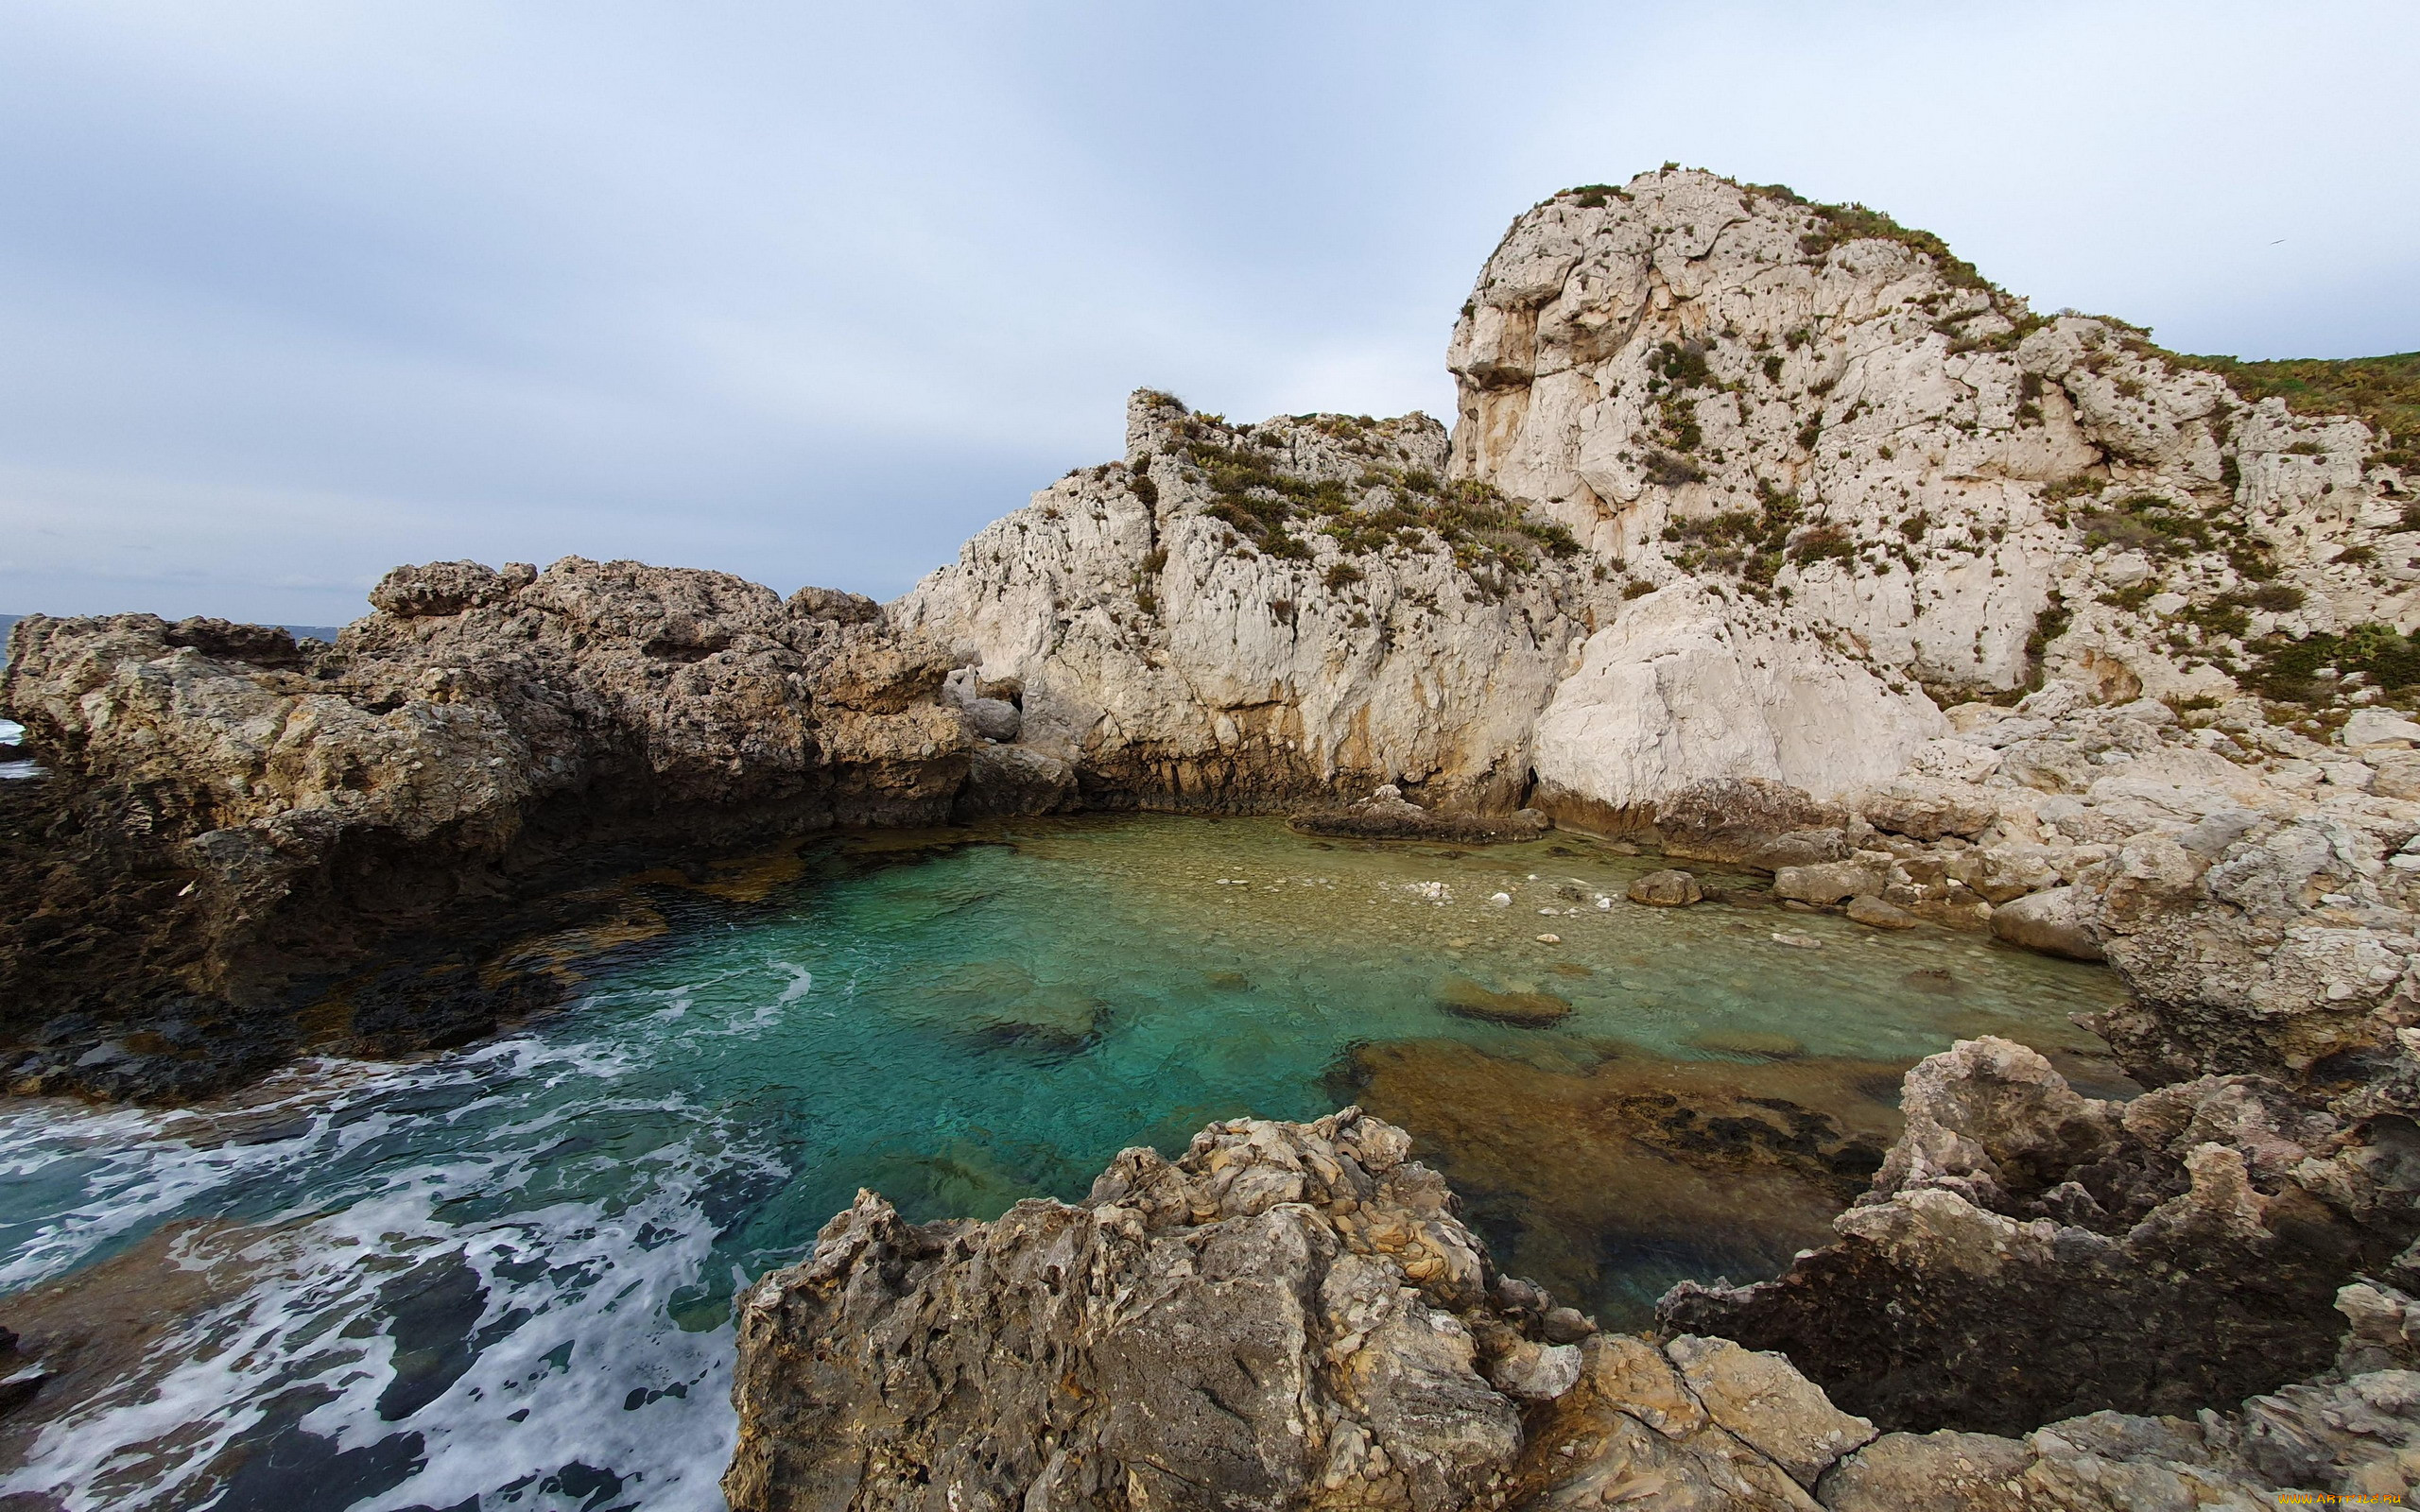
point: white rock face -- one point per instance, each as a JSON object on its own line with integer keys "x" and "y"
{"x": 1676, "y": 690}
{"x": 1813, "y": 465}
{"x": 1165, "y": 654}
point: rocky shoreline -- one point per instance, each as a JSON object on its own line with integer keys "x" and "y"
{"x": 1768, "y": 535}
{"x": 1293, "y": 1316}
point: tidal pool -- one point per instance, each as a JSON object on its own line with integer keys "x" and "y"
{"x": 501, "y": 1277}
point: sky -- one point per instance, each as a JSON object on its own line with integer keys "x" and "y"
{"x": 292, "y": 292}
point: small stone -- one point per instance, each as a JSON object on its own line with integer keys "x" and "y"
{"x": 1549, "y": 939}
{"x": 1798, "y": 941}
{"x": 1502, "y": 899}
{"x": 1876, "y": 914}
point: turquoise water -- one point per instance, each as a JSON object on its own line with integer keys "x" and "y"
{"x": 501, "y": 1277}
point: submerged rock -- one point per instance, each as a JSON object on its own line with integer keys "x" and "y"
{"x": 1875, "y": 914}
{"x": 1464, "y": 998}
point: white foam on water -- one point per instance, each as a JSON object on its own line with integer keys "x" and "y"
{"x": 578, "y": 1286}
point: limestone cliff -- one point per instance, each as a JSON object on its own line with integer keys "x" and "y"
{"x": 1239, "y": 616}
{"x": 1813, "y": 467}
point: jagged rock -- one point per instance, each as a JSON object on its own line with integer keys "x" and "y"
{"x": 240, "y": 811}
{"x": 1388, "y": 815}
{"x": 1288, "y": 1315}
{"x": 1176, "y": 661}
{"x": 994, "y": 718}
{"x": 1668, "y": 888}
{"x": 1768, "y": 1405}
{"x": 1927, "y": 810}
{"x": 1751, "y": 822}
{"x": 2385, "y": 1332}
{"x": 2027, "y": 1253}
{"x": 2051, "y": 921}
{"x": 1284, "y": 1311}
{"x": 833, "y": 604}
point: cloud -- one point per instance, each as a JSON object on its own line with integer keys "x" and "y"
{"x": 294, "y": 291}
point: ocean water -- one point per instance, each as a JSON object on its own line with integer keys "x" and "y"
{"x": 501, "y": 1277}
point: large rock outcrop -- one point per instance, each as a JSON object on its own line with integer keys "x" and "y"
{"x": 230, "y": 813}
{"x": 1287, "y": 1313}
{"x": 1240, "y": 616}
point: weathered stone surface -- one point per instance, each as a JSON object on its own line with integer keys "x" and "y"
{"x": 1467, "y": 999}
{"x": 2027, "y": 1253}
{"x": 1287, "y": 1316}
{"x": 1830, "y": 882}
{"x": 231, "y": 811}
{"x": 1284, "y": 1311}
{"x": 2375, "y": 727}
{"x": 2052, "y": 922}
{"x": 1668, "y": 888}
{"x": 1768, "y": 1405}
{"x": 1875, "y": 914}
{"x": 1386, "y": 814}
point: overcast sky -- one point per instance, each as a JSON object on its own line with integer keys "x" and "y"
{"x": 292, "y": 292}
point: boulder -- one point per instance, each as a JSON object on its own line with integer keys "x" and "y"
{"x": 1927, "y": 810}
{"x": 1751, "y": 821}
{"x": 1768, "y": 1405}
{"x": 2398, "y": 774}
{"x": 1668, "y": 888}
{"x": 833, "y": 604}
{"x": 2052, "y": 922}
{"x": 1388, "y": 815}
{"x": 1002, "y": 780}
{"x": 1876, "y": 914}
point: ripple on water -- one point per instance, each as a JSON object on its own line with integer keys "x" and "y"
{"x": 504, "y": 1275}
